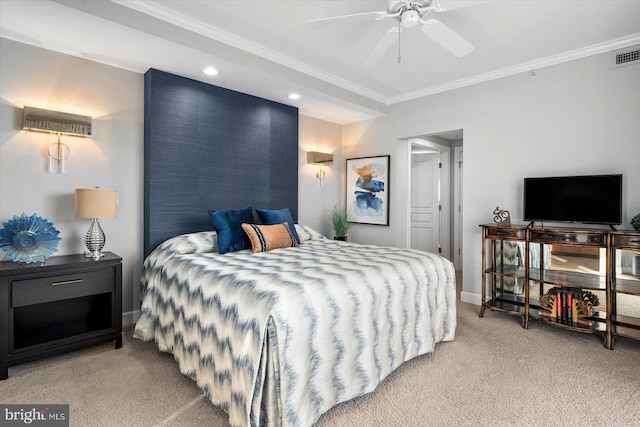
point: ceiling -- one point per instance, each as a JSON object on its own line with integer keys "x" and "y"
{"x": 270, "y": 49}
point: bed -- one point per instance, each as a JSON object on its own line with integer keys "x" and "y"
{"x": 280, "y": 337}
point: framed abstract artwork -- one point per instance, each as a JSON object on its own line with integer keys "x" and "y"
{"x": 368, "y": 190}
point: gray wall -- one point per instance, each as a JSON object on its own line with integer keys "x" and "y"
{"x": 112, "y": 158}
{"x": 580, "y": 117}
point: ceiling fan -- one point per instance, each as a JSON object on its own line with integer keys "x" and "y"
{"x": 408, "y": 14}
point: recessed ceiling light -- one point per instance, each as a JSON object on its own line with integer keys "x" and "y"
{"x": 294, "y": 96}
{"x": 210, "y": 71}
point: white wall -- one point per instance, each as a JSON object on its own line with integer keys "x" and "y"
{"x": 315, "y": 202}
{"x": 580, "y": 117}
{"x": 113, "y": 157}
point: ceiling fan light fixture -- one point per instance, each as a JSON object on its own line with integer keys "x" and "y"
{"x": 410, "y": 18}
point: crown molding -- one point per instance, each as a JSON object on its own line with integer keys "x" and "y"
{"x": 156, "y": 10}
{"x": 596, "y": 49}
{"x": 163, "y": 13}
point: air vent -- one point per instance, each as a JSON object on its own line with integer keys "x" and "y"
{"x": 628, "y": 56}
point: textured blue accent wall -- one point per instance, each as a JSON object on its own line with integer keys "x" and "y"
{"x": 207, "y": 147}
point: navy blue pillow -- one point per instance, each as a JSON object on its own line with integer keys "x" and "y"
{"x": 273, "y": 216}
{"x": 228, "y": 224}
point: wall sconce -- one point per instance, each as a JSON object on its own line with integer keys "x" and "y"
{"x": 96, "y": 203}
{"x": 56, "y": 122}
{"x": 320, "y": 160}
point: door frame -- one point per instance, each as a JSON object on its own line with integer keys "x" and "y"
{"x": 445, "y": 200}
{"x": 457, "y": 205}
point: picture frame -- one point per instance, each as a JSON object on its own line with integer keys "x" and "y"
{"x": 367, "y": 189}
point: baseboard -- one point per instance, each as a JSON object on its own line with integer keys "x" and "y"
{"x": 130, "y": 317}
{"x": 471, "y": 298}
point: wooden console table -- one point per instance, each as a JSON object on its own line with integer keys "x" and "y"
{"x": 607, "y": 323}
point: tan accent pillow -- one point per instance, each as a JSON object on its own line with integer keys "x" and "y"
{"x": 268, "y": 237}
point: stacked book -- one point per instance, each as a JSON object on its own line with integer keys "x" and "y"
{"x": 568, "y": 306}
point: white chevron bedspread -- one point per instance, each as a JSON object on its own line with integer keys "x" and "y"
{"x": 278, "y": 338}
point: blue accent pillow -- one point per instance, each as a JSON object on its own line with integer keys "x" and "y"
{"x": 278, "y": 216}
{"x": 228, "y": 225}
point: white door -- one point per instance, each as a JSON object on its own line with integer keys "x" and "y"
{"x": 425, "y": 202}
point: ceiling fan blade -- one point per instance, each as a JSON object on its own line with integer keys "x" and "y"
{"x": 365, "y": 16}
{"x": 384, "y": 44}
{"x": 447, "y": 5}
{"x": 447, "y": 38}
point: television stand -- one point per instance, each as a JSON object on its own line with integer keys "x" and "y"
{"x": 510, "y": 278}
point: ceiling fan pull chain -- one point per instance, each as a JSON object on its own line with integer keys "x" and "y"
{"x": 399, "y": 34}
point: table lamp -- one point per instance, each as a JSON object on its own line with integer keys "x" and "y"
{"x": 96, "y": 203}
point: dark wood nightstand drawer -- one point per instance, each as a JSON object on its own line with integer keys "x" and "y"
{"x": 630, "y": 241}
{"x": 55, "y": 288}
{"x": 583, "y": 238}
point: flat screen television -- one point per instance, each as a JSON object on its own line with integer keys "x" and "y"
{"x": 592, "y": 199}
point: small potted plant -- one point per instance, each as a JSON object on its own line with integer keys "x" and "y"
{"x": 635, "y": 269}
{"x": 340, "y": 223}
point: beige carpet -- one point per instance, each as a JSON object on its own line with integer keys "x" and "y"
{"x": 494, "y": 373}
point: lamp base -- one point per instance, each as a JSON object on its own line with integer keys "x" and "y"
{"x": 94, "y": 255}
{"x": 95, "y": 240}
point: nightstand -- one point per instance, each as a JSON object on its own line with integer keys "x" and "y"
{"x": 68, "y": 303}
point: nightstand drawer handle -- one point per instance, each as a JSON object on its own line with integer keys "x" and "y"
{"x": 66, "y": 282}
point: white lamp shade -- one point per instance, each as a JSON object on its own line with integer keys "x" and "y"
{"x": 96, "y": 203}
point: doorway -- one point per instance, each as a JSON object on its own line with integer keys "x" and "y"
{"x": 429, "y": 211}
{"x": 435, "y": 194}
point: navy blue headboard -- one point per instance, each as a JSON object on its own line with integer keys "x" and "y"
{"x": 206, "y": 147}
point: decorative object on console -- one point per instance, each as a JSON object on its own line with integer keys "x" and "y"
{"x": 319, "y": 159}
{"x": 340, "y": 223}
{"x": 368, "y": 189}
{"x": 501, "y": 217}
{"x": 29, "y": 239}
{"x": 569, "y": 306}
{"x": 59, "y": 123}
{"x": 96, "y": 203}
{"x": 635, "y": 223}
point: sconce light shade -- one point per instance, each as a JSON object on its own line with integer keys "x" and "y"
{"x": 56, "y": 122}
{"x": 41, "y": 120}
{"x": 317, "y": 158}
{"x": 96, "y": 203}
{"x": 320, "y": 160}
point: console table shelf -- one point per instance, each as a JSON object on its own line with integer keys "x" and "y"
{"x": 572, "y": 279}
{"x": 605, "y": 322}
{"x": 599, "y": 325}
{"x": 507, "y": 271}
{"x": 620, "y": 325}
